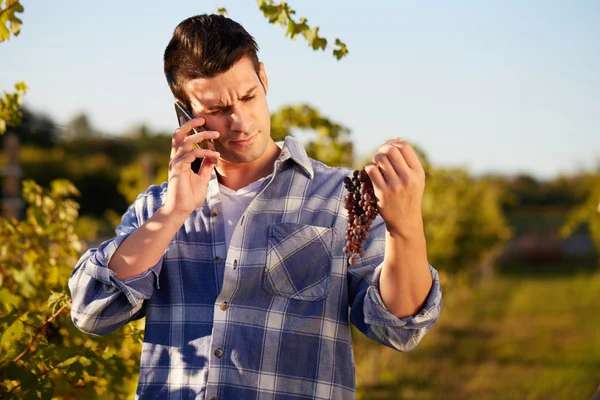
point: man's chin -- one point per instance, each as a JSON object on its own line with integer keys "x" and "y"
{"x": 238, "y": 158}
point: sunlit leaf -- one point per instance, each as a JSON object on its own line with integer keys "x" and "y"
{"x": 282, "y": 14}
{"x": 57, "y": 300}
{"x": 8, "y": 16}
{"x": 341, "y": 51}
{"x": 14, "y": 333}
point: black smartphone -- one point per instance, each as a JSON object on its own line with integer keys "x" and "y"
{"x": 208, "y": 144}
{"x": 181, "y": 111}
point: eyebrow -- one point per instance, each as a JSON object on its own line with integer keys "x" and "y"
{"x": 220, "y": 105}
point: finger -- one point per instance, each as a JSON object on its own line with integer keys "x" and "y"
{"x": 194, "y": 139}
{"x": 184, "y": 162}
{"x": 206, "y": 168}
{"x": 391, "y": 177}
{"x": 395, "y": 157}
{"x": 184, "y": 130}
{"x": 409, "y": 154}
{"x": 375, "y": 176}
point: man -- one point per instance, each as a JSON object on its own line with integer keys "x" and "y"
{"x": 239, "y": 267}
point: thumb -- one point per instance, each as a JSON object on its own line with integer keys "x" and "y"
{"x": 206, "y": 168}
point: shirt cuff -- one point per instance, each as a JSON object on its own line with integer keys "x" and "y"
{"x": 137, "y": 288}
{"x": 376, "y": 312}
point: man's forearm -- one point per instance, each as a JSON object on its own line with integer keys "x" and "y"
{"x": 145, "y": 247}
{"x": 405, "y": 280}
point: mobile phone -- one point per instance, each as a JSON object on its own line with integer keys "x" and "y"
{"x": 181, "y": 111}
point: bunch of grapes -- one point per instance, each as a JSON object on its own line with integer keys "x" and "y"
{"x": 361, "y": 204}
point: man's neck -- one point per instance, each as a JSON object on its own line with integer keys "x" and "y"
{"x": 237, "y": 176}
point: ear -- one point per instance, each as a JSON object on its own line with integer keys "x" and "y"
{"x": 262, "y": 75}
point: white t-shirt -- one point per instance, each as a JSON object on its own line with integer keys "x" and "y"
{"x": 235, "y": 202}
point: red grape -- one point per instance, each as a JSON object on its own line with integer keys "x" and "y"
{"x": 361, "y": 204}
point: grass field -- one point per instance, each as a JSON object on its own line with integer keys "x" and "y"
{"x": 518, "y": 336}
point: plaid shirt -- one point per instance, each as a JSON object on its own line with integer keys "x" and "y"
{"x": 267, "y": 318}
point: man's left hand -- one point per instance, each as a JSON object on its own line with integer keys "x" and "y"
{"x": 398, "y": 181}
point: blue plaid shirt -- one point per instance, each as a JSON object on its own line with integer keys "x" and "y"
{"x": 267, "y": 318}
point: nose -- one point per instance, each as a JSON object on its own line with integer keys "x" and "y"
{"x": 241, "y": 120}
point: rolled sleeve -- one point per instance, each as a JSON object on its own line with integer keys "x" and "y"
{"x": 102, "y": 303}
{"x": 370, "y": 315}
{"x": 137, "y": 288}
{"x": 402, "y": 334}
{"x": 377, "y": 313}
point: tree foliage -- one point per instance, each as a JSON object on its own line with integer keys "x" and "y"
{"x": 10, "y": 113}
{"x": 464, "y": 223}
{"x": 587, "y": 213}
{"x": 42, "y": 354}
{"x": 332, "y": 144}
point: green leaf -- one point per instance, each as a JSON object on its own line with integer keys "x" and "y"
{"x": 282, "y": 14}
{"x": 68, "y": 362}
{"x": 342, "y": 51}
{"x": 21, "y": 87}
{"x": 109, "y": 351}
{"x": 14, "y": 333}
{"x": 15, "y": 26}
{"x": 9, "y": 317}
{"x": 8, "y": 16}
{"x": 86, "y": 362}
{"x": 57, "y": 300}
{"x": 316, "y": 42}
{"x": 10, "y": 114}
{"x": 4, "y": 32}
{"x": 222, "y": 11}
{"x": 63, "y": 188}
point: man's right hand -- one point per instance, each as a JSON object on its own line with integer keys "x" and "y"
{"x": 186, "y": 190}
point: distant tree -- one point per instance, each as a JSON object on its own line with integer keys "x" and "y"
{"x": 35, "y": 129}
{"x": 332, "y": 143}
{"x": 587, "y": 213}
{"x": 79, "y": 127}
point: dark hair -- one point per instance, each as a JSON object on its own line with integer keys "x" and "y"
{"x": 204, "y": 46}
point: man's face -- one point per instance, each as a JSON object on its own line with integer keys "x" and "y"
{"x": 234, "y": 103}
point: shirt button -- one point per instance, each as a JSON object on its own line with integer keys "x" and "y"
{"x": 219, "y": 353}
{"x": 214, "y": 213}
{"x": 224, "y": 306}
{"x": 217, "y": 259}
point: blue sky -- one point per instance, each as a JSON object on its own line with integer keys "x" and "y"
{"x": 505, "y": 87}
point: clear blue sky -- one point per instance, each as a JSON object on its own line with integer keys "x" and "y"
{"x": 505, "y": 86}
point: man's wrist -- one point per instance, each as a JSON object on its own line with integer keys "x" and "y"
{"x": 171, "y": 216}
{"x": 407, "y": 230}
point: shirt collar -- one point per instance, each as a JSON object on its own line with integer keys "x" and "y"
{"x": 292, "y": 148}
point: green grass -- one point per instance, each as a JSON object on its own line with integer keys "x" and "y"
{"x": 516, "y": 337}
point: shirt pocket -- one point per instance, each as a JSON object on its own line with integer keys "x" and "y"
{"x": 298, "y": 264}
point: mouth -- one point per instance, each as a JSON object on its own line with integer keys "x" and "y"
{"x": 244, "y": 142}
